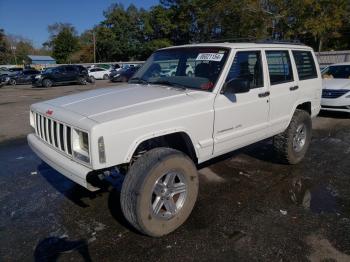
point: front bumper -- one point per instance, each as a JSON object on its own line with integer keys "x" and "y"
{"x": 341, "y": 104}
{"x": 37, "y": 82}
{"x": 67, "y": 167}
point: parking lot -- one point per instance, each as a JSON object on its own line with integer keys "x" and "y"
{"x": 250, "y": 207}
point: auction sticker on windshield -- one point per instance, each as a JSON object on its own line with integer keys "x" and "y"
{"x": 209, "y": 57}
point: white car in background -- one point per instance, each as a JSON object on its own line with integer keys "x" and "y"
{"x": 336, "y": 88}
{"x": 99, "y": 73}
{"x": 171, "y": 71}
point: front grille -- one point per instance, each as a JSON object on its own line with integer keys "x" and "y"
{"x": 331, "y": 93}
{"x": 55, "y": 133}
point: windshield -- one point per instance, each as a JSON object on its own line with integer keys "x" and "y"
{"x": 188, "y": 67}
{"x": 339, "y": 71}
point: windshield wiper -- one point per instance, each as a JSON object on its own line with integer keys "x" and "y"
{"x": 168, "y": 83}
{"x": 138, "y": 80}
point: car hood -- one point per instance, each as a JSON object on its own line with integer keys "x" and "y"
{"x": 336, "y": 83}
{"x": 106, "y": 104}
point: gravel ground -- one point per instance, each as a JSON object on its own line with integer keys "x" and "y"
{"x": 15, "y": 102}
{"x": 250, "y": 208}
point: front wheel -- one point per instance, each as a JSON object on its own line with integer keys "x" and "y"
{"x": 12, "y": 82}
{"x": 159, "y": 191}
{"x": 105, "y": 77}
{"x": 47, "y": 83}
{"x": 292, "y": 144}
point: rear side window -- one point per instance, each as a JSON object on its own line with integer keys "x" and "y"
{"x": 280, "y": 68}
{"x": 70, "y": 69}
{"x": 305, "y": 65}
{"x": 247, "y": 65}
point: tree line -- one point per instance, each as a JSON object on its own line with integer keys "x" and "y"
{"x": 131, "y": 33}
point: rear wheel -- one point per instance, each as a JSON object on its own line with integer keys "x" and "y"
{"x": 292, "y": 144}
{"x": 82, "y": 80}
{"x": 47, "y": 83}
{"x": 159, "y": 191}
{"x": 92, "y": 79}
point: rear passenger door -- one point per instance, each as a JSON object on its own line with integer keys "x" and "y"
{"x": 71, "y": 74}
{"x": 59, "y": 74}
{"x": 284, "y": 90}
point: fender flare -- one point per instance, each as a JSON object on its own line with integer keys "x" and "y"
{"x": 148, "y": 136}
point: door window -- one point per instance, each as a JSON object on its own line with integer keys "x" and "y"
{"x": 247, "y": 66}
{"x": 280, "y": 68}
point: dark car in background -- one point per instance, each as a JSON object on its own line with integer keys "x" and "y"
{"x": 65, "y": 74}
{"x": 15, "y": 69}
{"x": 5, "y": 71}
{"x": 4, "y": 79}
{"x": 23, "y": 77}
{"x": 123, "y": 75}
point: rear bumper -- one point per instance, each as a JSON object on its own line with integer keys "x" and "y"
{"x": 70, "y": 169}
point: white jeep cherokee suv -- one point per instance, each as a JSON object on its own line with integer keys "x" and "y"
{"x": 157, "y": 128}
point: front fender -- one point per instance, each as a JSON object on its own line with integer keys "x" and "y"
{"x": 156, "y": 134}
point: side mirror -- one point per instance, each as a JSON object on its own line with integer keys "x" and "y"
{"x": 237, "y": 86}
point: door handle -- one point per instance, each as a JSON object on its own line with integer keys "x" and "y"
{"x": 293, "y": 88}
{"x": 264, "y": 94}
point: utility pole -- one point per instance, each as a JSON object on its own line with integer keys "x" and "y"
{"x": 94, "y": 40}
{"x": 13, "y": 48}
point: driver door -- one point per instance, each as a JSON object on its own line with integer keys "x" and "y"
{"x": 242, "y": 118}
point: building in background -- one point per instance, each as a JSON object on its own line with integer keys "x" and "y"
{"x": 40, "y": 60}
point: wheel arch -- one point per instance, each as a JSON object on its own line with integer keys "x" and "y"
{"x": 177, "y": 139}
{"x": 306, "y": 106}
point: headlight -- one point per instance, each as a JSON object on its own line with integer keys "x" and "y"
{"x": 38, "y": 77}
{"x": 81, "y": 146}
{"x": 7, "y": 79}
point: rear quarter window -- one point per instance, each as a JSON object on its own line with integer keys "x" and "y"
{"x": 305, "y": 64}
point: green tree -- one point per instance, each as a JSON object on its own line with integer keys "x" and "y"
{"x": 314, "y": 22}
{"x": 63, "y": 41}
{"x": 85, "y": 54}
{"x": 5, "y": 51}
{"x": 23, "y": 49}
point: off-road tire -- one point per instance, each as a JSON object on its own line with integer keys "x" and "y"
{"x": 283, "y": 143}
{"x": 138, "y": 187}
{"x": 47, "y": 83}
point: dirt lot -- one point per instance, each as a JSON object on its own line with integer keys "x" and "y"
{"x": 250, "y": 208}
